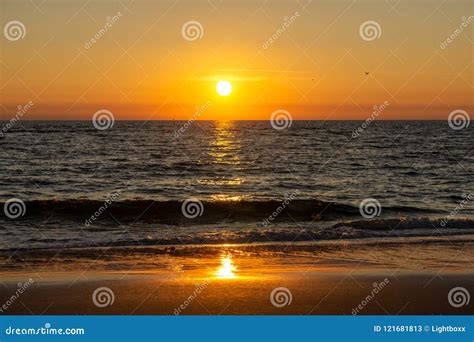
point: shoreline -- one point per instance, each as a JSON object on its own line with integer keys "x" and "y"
{"x": 239, "y": 279}
{"x": 368, "y": 241}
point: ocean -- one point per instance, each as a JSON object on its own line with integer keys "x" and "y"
{"x": 215, "y": 182}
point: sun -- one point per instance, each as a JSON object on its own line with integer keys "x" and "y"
{"x": 224, "y": 88}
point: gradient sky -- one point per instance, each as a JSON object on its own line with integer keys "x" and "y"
{"x": 142, "y": 68}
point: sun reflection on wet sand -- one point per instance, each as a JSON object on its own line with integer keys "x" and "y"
{"x": 227, "y": 269}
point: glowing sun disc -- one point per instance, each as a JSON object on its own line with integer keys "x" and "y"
{"x": 224, "y": 88}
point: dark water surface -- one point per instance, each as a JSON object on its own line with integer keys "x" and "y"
{"x": 421, "y": 172}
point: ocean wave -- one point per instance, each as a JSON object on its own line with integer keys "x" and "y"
{"x": 66, "y": 234}
{"x": 412, "y": 223}
{"x": 170, "y": 212}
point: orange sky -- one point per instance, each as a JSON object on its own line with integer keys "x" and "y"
{"x": 141, "y": 67}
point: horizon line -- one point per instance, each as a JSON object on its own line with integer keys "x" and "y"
{"x": 81, "y": 120}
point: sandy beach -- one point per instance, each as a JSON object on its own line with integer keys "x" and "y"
{"x": 344, "y": 277}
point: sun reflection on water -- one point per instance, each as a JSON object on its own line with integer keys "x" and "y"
{"x": 226, "y": 145}
{"x": 225, "y": 154}
{"x": 227, "y": 198}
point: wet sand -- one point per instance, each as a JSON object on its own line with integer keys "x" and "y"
{"x": 345, "y": 279}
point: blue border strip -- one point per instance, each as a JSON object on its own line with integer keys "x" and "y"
{"x": 238, "y": 328}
